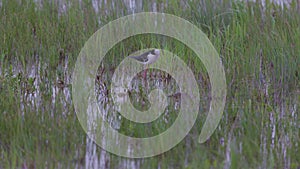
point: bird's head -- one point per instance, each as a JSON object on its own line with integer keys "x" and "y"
{"x": 156, "y": 52}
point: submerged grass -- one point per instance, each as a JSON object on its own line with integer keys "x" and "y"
{"x": 259, "y": 47}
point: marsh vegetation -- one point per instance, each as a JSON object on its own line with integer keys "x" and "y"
{"x": 259, "y": 47}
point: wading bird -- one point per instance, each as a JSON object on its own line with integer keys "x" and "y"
{"x": 147, "y": 58}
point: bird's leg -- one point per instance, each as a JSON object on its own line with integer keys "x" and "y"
{"x": 145, "y": 72}
{"x": 145, "y": 76}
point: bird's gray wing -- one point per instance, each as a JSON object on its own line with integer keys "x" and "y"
{"x": 140, "y": 59}
{"x": 143, "y": 57}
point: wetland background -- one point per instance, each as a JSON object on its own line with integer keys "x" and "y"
{"x": 259, "y": 46}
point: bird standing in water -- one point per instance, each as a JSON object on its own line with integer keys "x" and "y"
{"x": 147, "y": 58}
